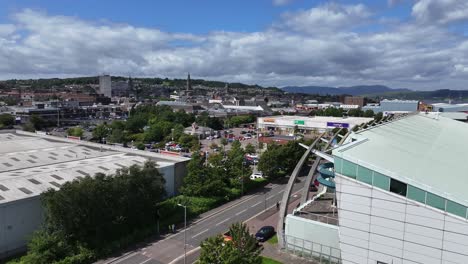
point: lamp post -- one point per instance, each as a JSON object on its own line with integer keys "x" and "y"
{"x": 185, "y": 231}
{"x": 242, "y": 178}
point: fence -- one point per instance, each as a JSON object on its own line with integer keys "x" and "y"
{"x": 312, "y": 250}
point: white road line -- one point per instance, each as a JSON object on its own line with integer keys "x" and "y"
{"x": 224, "y": 221}
{"x": 200, "y": 233}
{"x": 145, "y": 261}
{"x": 238, "y": 213}
{"x": 256, "y": 204}
{"x": 118, "y": 260}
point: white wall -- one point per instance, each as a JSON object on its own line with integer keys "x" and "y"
{"x": 376, "y": 225}
{"x": 18, "y": 220}
{"x": 312, "y": 235}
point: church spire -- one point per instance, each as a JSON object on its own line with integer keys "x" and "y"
{"x": 189, "y": 83}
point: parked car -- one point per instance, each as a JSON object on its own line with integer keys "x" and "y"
{"x": 264, "y": 233}
{"x": 256, "y": 175}
{"x": 248, "y": 136}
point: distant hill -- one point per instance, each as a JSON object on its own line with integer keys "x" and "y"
{"x": 352, "y": 90}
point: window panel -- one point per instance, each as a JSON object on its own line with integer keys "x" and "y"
{"x": 398, "y": 187}
{"x": 349, "y": 169}
{"x": 435, "y": 201}
{"x": 416, "y": 194}
{"x": 456, "y": 209}
{"x": 381, "y": 181}
{"x": 364, "y": 175}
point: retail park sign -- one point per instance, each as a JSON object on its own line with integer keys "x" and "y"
{"x": 299, "y": 122}
{"x": 269, "y": 120}
{"x": 336, "y": 124}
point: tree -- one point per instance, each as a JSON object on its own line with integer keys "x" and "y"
{"x": 201, "y": 180}
{"x": 96, "y": 211}
{"x": 368, "y": 113}
{"x": 250, "y": 149}
{"x": 101, "y": 131}
{"x": 6, "y": 120}
{"x": 117, "y": 136}
{"x": 224, "y": 142}
{"x": 378, "y": 116}
{"x": 241, "y": 249}
{"x": 37, "y": 122}
{"x": 280, "y": 160}
{"x": 75, "y": 132}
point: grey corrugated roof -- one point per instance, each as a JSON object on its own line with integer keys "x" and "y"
{"x": 54, "y": 163}
{"x": 426, "y": 150}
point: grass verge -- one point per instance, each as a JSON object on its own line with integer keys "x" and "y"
{"x": 273, "y": 240}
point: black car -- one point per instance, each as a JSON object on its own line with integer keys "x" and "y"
{"x": 264, "y": 233}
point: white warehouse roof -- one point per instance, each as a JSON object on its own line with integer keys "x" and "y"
{"x": 31, "y": 165}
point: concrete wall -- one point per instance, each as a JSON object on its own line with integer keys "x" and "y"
{"x": 376, "y": 225}
{"x": 312, "y": 235}
{"x": 18, "y": 220}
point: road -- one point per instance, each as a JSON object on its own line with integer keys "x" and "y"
{"x": 172, "y": 248}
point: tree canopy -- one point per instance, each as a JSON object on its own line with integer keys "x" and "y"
{"x": 242, "y": 249}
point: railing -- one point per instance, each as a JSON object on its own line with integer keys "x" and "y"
{"x": 312, "y": 250}
{"x": 331, "y": 220}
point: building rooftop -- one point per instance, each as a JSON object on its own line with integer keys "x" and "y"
{"x": 425, "y": 150}
{"x": 30, "y": 165}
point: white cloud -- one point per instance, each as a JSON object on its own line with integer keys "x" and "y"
{"x": 440, "y": 11}
{"x": 403, "y": 55}
{"x": 327, "y": 17}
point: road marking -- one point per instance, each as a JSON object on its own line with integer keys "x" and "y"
{"x": 238, "y": 213}
{"x": 200, "y": 233}
{"x": 257, "y": 204}
{"x": 145, "y": 261}
{"x": 118, "y": 260}
{"x": 224, "y": 221}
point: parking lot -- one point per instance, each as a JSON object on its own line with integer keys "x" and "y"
{"x": 237, "y": 132}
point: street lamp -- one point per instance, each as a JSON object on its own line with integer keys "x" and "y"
{"x": 242, "y": 178}
{"x": 185, "y": 231}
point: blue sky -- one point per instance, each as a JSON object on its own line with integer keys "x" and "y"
{"x": 186, "y": 15}
{"x": 419, "y": 44}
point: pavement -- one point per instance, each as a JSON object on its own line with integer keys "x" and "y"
{"x": 216, "y": 221}
{"x": 270, "y": 218}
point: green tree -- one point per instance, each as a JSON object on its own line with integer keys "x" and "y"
{"x": 96, "y": 211}
{"x": 75, "y": 132}
{"x": 117, "y": 136}
{"x": 378, "y": 116}
{"x": 37, "y": 122}
{"x": 6, "y": 120}
{"x": 101, "y": 131}
{"x": 368, "y": 113}
{"x": 241, "y": 249}
{"x": 250, "y": 149}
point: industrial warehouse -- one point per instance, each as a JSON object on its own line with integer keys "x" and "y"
{"x": 391, "y": 193}
{"x": 31, "y": 164}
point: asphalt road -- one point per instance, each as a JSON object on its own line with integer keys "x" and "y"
{"x": 172, "y": 248}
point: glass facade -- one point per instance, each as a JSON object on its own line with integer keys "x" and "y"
{"x": 381, "y": 181}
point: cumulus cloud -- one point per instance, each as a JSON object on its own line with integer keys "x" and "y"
{"x": 410, "y": 55}
{"x": 327, "y": 17}
{"x": 440, "y": 11}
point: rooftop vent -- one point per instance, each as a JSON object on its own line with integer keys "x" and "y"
{"x": 34, "y": 181}
{"x": 26, "y": 191}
